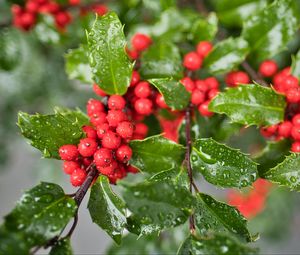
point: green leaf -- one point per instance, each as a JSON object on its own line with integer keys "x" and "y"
{"x": 41, "y": 213}
{"x": 63, "y": 247}
{"x": 174, "y": 93}
{"x": 268, "y": 36}
{"x": 153, "y": 122}
{"x": 226, "y": 55}
{"x": 77, "y": 64}
{"x": 215, "y": 244}
{"x": 204, "y": 29}
{"x": 296, "y": 65}
{"x": 250, "y": 104}
{"x": 107, "y": 209}
{"x": 161, "y": 60}
{"x": 157, "y": 205}
{"x": 221, "y": 165}
{"x": 287, "y": 173}
{"x": 156, "y": 153}
{"x": 48, "y": 132}
{"x": 214, "y": 216}
{"x": 110, "y": 65}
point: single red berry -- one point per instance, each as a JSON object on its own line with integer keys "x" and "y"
{"x": 293, "y": 95}
{"x": 135, "y": 78}
{"x": 188, "y": 83}
{"x": 98, "y": 118}
{"x": 295, "y": 147}
{"x": 286, "y": 71}
{"x": 27, "y": 20}
{"x": 111, "y": 140}
{"x": 192, "y": 61}
{"x": 272, "y": 129}
{"x": 108, "y": 170}
{"x": 103, "y": 157}
{"x": 86, "y": 161}
{"x": 94, "y": 106}
{"x": 268, "y": 68}
{"x": 74, "y": 2}
{"x": 140, "y": 42}
{"x": 203, "y": 109}
{"x": 132, "y": 169}
{"x": 265, "y": 133}
{"x": 116, "y": 102}
{"x": 90, "y": 132}
{"x": 49, "y": 7}
{"x": 284, "y": 129}
{"x": 296, "y": 120}
{"x": 100, "y": 9}
{"x": 143, "y": 106}
{"x": 87, "y": 147}
{"x": 77, "y": 177}
{"x": 125, "y": 129}
{"x": 102, "y": 129}
{"x": 62, "y": 18}
{"x": 141, "y": 129}
{"x": 68, "y": 152}
{"x": 198, "y": 97}
{"x": 290, "y": 82}
{"x": 32, "y": 6}
{"x": 16, "y": 9}
{"x": 142, "y": 89}
{"x": 202, "y": 85}
{"x": 160, "y": 101}
{"x": 212, "y": 93}
{"x": 295, "y": 133}
{"x": 114, "y": 117}
{"x": 98, "y": 91}
{"x": 70, "y": 166}
{"x": 212, "y": 83}
{"x": 235, "y": 78}
{"x": 132, "y": 54}
{"x": 204, "y": 48}
{"x": 124, "y": 153}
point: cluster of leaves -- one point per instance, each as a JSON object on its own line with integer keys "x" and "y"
{"x": 162, "y": 200}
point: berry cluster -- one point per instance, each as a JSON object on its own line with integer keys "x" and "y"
{"x": 106, "y": 142}
{"x": 26, "y": 17}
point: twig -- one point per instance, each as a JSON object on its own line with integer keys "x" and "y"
{"x": 253, "y": 74}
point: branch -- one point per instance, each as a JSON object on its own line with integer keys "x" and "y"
{"x": 253, "y": 74}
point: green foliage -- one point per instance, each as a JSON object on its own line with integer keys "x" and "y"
{"x": 174, "y": 93}
{"x": 48, "y": 132}
{"x": 296, "y": 65}
{"x": 110, "y": 65}
{"x": 107, "y": 209}
{"x": 221, "y": 165}
{"x": 63, "y": 247}
{"x": 250, "y": 104}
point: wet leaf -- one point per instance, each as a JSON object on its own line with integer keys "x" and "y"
{"x": 63, "y": 247}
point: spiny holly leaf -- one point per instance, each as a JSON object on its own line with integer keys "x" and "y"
{"x": 268, "y": 36}
{"x": 174, "y": 93}
{"x": 204, "y": 29}
{"x": 287, "y": 173}
{"x": 296, "y": 65}
{"x": 157, "y": 205}
{"x": 48, "y": 132}
{"x": 221, "y": 165}
{"x": 226, "y": 55}
{"x": 41, "y": 213}
{"x": 250, "y": 104}
{"x": 77, "y": 64}
{"x": 161, "y": 60}
{"x": 63, "y": 247}
{"x": 212, "y": 215}
{"x": 110, "y": 65}
{"x": 156, "y": 153}
{"x": 76, "y": 114}
{"x": 214, "y": 244}
{"x": 107, "y": 209}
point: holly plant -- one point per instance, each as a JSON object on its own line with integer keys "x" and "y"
{"x": 168, "y": 96}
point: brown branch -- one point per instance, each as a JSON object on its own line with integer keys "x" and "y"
{"x": 253, "y": 74}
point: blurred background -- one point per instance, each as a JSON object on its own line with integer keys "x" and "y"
{"x": 32, "y": 79}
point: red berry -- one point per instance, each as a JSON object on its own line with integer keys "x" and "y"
{"x": 86, "y": 161}
{"x": 111, "y": 140}
{"x": 108, "y": 170}
{"x": 140, "y": 42}
{"x": 204, "y": 48}
{"x": 141, "y": 129}
{"x": 235, "y": 78}
{"x": 74, "y": 2}
{"x": 62, "y": 19}
{"x": 70, "y": 166}
{"x": 295, "y": 147}
{"x": 27, "y": 20}
{"x": 49, "y": 7}
{"x": 284, "y": 129}
{"x": 114, "y": 117}
{"x": 32, "y": 6}
{"x": 293, "y": 95}
{"x": 289, "y": 82}
{"x": 202, "y": 85}
{"x": 295, "y": 133}
{"x": 198, "y": 97}
{"x": 98, "y": 118}
{"x": 212, "y": 93}
{"x": 100, "y": 9}
{"x": 192, "y": 61}
{"x": 68, "y": 152}
{"x": 77, "y": 177}
{"x": 16, "y": 9}
{"x": 125, "y": 129}
{"x": 87, "y": 147}
{"x": 212, "y": 83}
{"x": 98, "y": 91}
{"x": 265, "y": 133}
{"x": 102, "y": 129}
{"x": 143, "y": 106}
{"x": 124, "y": 153}
{"x": 188, "y": 83}
{"x": 135, "y": 78}
{"x": 296, "y": 120}
{"x": 203, "y": 109}
{"x": 132, "y": 54}
{"x": 268, "y": 68}
{"x": 116, "y": 102}
{"x": 94, "y": 106}
{"x": 160, "y": 101}
{"x": 103, "y": 157}
{"x": 142, "y": 89}
{"x": 132, "y": 169}
{"x": 90, "y": 132}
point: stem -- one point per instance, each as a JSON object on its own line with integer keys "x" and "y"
{"x": 253, "y": 74}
